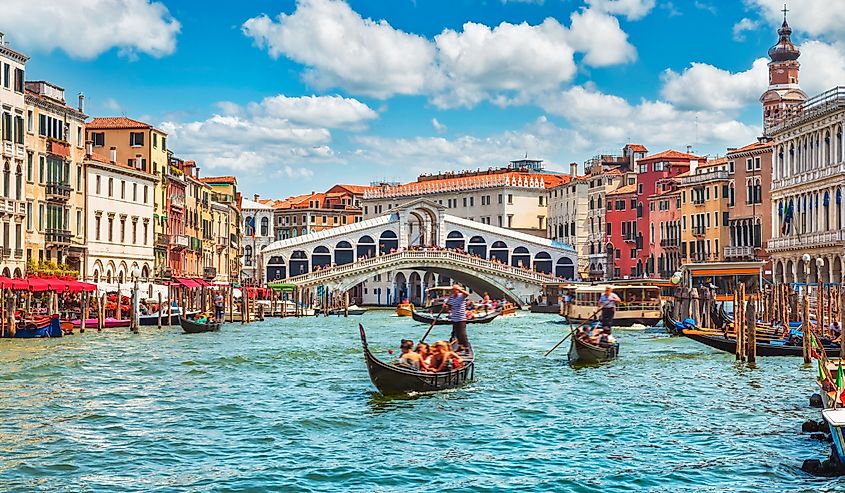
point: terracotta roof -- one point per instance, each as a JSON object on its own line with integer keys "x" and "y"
{"x": 624, "y": 190}
{"x": 357, "y": 189}
{"x": 472, "y": 182}
{"x": 637, "y": 147}
{"x": 229, "y": 180}
{"x": 752, "y": 147}
{"x": 715, "y": 162}
{"x": 107, "y": 122}
{"x": 612, "y": 172}
{"x": 670, "y": 154}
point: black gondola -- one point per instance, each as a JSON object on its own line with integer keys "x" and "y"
{"x": 771, "y": 348}
{"x": 393, "y": 379}
{"x": 166, "y": 319}
{"x": 428, "y": 318}
{"x": 581, "y": 352}
{"x": 192, "y": 327}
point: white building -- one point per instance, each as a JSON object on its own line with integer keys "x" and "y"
{"x": 258, "y": 233}
{"x": 568, "y": 205}
{"x": 13, "y": 156}
{"x": 119, "y": 214}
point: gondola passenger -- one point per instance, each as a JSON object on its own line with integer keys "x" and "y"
{"x": 606, "y": 338}
{"x": 408, "y": 357}
{"x": 424, "y": 350}
{"x": 444, "y": 359}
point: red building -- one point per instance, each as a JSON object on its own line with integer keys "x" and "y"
{"x": 652, "y": 173}
{"x": 621, "y": 231}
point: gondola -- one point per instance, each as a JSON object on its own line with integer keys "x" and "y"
{"x": 192, "y": 327}
{"x": 392, "y": 379}
{"x": 581, "y": 352}
{"x": 768, "y": 348}
{"x": 427, "y": 318}
{"x": 173, "y": 319}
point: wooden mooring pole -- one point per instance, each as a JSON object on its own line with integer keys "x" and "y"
{"x": 751, "y": 321}
{"x": 806, "y": 325}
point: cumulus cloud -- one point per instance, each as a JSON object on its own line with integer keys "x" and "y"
{"x": 86, "y": 28}
{"x": 703, "y": 86}
{"x": 269, "y": 134}
{"x": 814, "y": 17}
{"x": 822, "y": 66}
{"x": 438, "y": 127}
{"x": 743, "y": 26}
{"x": 505, "y": 64}
{"x": 631, "y": 9}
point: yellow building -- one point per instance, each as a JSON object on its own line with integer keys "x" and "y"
{"x": 55, "y": 180}
{"x": 705, "y": 204}
{"x": 143, "y": 147}
{"x": 225, "y": 227}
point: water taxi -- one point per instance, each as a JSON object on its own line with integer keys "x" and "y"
{"x": 640, "y": 304}
{"x": 404, "y": 309}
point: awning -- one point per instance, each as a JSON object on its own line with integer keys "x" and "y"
{"x": 188, "y": 283}
{"x": 80, "y": 287}
{"x": 201, "y": 282}
{"x": 37, "y": 285}
{"x": 13, "y": 283}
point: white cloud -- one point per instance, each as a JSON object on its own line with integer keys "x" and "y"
{"x": 112, "y": 105}
{"x": 703, "y": 86}
{"x": 822, "y": 66}
{"x": 608, "y": 122}
{"x": 631, "y": 9}
{"x": 273, "y": 133}
{"x": 438, "y": 127}
{"x": 87, "y": 28}
{"x": 344, "y": 50}
{"x": 506, "y": 64}
{"x": 743, "y": 26}
{"x": 600, "y": 38}
{"x": 814, "y": 17}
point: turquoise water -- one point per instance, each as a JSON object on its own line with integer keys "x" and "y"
{"x": 287, "y": 406}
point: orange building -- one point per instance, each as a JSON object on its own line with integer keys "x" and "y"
{"x": 316, "y": 211}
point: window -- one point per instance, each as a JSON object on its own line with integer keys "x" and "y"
{"x": 134, "y": 192}
{"x": 7, "y": 126}
{"x": 135, "y": 232}
{"x": 730, "y": 166}
{"x": 155, "y": 141}
{"x": 471, "y": 201}
{"x": 78, "y": 222}
{"x": 40, "y": 217}
{"x": 465, "y": 201}
{"x": 19, "y": 130}
{"x": 123, "y": 230}
{"x": 19, "y": 80}
{"x": 500, "y": 198}
{"x": 78, "y": 178}
{"x": 164, "y": 142}
{"x": 29, "y": 216}
{"x": 146, "y": 227}
{"x": 98, "y": 138}
{"x": 136, "y": 139}
{"x": 510, "y": 200}
{"x": 111, "y": 229}
{"x": 6, "y": 76}
{"x": 122, "y": 190}
{"x": 29, "y": 167}
{"x": 111, "y": 188}
{"x": 41, "y": 169}
{"x": 145, "y": 196}
{"x": 756, "y": 163}
{"x": 541, "y": 201}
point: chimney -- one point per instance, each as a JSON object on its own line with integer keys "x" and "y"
{"x": 689, "y": 149}
{"x": 573, "y": 169}
{"x": 198, "y": 173}
{"x": 81, "y": 105}
{"x": 113, "y": 154}
{"x": 255, "y": 197}
{"x": 2, "y": 36}
{"x": 693, "y": 166}
{"x": 89, "y": 148}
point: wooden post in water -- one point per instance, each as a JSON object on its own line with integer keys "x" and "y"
{"x": 737, "y": 326}
{"x": 82, "y": 316}
{"x": 346, "y": 303}
{"x": 159, "y": 309}
{"x": 101, "y": 313}
{"x": 751, "y": 340}
{"x": 806, "y": 325}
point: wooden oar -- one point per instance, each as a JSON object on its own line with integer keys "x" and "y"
{"x": 572, "y": 332}
{"x": 442, "y": 308}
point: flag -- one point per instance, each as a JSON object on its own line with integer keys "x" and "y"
{"x": 250, "y": 222}
{"x": 822, "y": 376}
{"x": 787, "y": 219}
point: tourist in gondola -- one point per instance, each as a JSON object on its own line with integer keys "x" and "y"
{"x": 606, "y": 338}
{"x": 408, "y": 357}
{"x": 444, "y": 359}
{"x": 424, "y": 350}
{"x": 607, "y": 303}
{"x": 457, "y": 303}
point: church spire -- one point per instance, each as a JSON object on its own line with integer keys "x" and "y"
{"x": 784, "y": 50}
{"x": 784, "y": 96}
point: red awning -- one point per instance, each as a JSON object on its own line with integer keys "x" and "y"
{"x": 188, "y": 283}
{"x": 18, "y": 284}
{"x": 37, "y": 285}
{"x": 201, "y": 282}
{"x": 81, "y": 287}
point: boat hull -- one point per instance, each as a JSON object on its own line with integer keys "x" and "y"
{"x": 427, "y": 318}
{"x": 392, "y": 380}
{"x": 52, "y": 329}
{"x": 763, "y": 348}
{"x": 191, "y": 327}
{"x": 404, "y": 310}
{"x": 582, "y": 353}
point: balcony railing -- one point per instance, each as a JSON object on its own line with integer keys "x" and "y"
{"x": 740, "y": 252}
{"x": 669, "y": 243}
{"x": 57, "y": 191}
{"x": 631, "y": 238}
{"x": 815, "y": 174}
{"x": 58, "y": 148}
{"x": 697, "y": 231}
{"x": 704, "y": 177}
{"x": 825, "y": 102}
{"x": 808, "y": 240}
{"x": 177, "y": 201}
{"x": 178, "y": 241}
{"x": 19, "y": 252}
{"x": 162, "y": 239}
{"x": 57, "y": 236}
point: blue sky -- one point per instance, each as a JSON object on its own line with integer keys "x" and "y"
{"x": 293, "y": 96}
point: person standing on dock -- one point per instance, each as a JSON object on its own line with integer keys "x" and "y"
{"x": 217, "y": 299}
{"x": 457, "y": 303}
{"x": 607, "y": 303}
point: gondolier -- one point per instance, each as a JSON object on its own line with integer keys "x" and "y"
{"x": 607, "y": 303}
{"x": 457, "y": 304}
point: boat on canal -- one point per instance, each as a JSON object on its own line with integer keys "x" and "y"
{"x": 404, "y": 309}
{"x": 351, "y": 310}
{"x": 50, "y": 328}
{"x": 108, "y": 323}
{"x": 193, "y": 327}
{"x": 640, "y": 305}
{"x": 582, "y": 352}
{"x": 169, "y": 316}
{"x": 478, "y": 317}
{"x": 774, "y": 347}
{"x": 392, "y": 379}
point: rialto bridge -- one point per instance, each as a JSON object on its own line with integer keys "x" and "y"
{"x": 417, "y": 246}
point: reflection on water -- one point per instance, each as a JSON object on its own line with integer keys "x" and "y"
{"x": 288, "y": 406}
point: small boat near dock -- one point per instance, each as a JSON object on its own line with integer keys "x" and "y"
{"x": 192, "y": 327}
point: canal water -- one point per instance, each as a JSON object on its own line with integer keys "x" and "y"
{"x": 286, "y": 405}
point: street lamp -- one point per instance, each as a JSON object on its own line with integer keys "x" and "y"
{"x": 806, "y": 259}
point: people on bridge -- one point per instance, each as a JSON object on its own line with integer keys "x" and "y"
{"x": 457, "y": 303}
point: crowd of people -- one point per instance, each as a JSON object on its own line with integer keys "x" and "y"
{"x": 436, "y": 357}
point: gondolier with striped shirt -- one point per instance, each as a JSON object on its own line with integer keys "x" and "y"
{"x": 457, "y": 303}
{"x": 607, "y": 303}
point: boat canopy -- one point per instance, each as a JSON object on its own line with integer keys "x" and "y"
{"x": 836, "y": 417}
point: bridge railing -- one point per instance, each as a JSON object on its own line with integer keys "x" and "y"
{"x": 330, "y": 272}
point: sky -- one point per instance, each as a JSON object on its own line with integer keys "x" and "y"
{"x": 293, "y": 96}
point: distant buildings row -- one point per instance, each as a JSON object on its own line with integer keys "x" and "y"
{"x": 103, "y": 198}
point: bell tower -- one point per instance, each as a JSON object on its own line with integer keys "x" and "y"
{"x": 784, "y": 96}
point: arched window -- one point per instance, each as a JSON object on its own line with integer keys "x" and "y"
{"x": 343, "y": 253}
{"x": 565, "y": 268}
{"x": 388, "y": 242}
{"x": 265, "y": 226}
{"x": 543, "y": 262}
{"x": 477, "y": 246}
{"x": 366, "y": 247}
{"x": 455, "y": 241}
{"x": 499, "y": 251}
{"x": 521, "y": 257}
{"x": 321, "y": 257}
{"x": 248, "y": 255}
{"x": 276, "y": 268}
{"x": 298, "y": 263}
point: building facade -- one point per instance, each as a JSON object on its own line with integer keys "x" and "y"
{"x": 226, "y": 233}
{"x": 665, "y": 220}
{"x": 177, "y": 238}
{"x": 257, "y": 234}
{"x": 14, "y": 158}
{"x": 313, "y": 212}
{"x": 56, "y": 195}
{"x": 119, "y": 216}
{"x": 567, "y": 209}
{"x": 704, "y": 192}
{"x": 750, "y": 173}
{"x": 623, "y": 237}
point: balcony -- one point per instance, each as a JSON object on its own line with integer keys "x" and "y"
{"x": 209, "y": 273}
{"x": 631, "y": 238}
{"x": 704, "y": 177}
{"x": 697, "y": 203}
{"x": 698, "y": 231}
{"x": 699, "y": 257}
{"x": 178, "y": 242}
{"x": 670, "y": 243}
{"x": 57, "y": 192}
{"x": 8, "y": 149}
{"x": 177, "y": 201}
{"x": 19, "y": 253}
{"x": 12, "y": 206}
{"x": 808, "y": 240}
{"x": 815, "y": 174}
{"x": 740, "y": 252}
{"x": 58, "y": 148}
{"x": 57, "y": 236}
{"x": 222, "y": 242}
{"x": 162, "y": 240}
